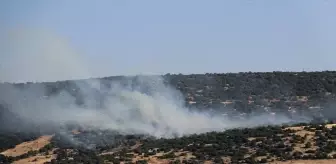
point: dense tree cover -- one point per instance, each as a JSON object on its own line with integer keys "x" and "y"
{"x": 247, "y": 90}
{"x": 310, "y": 93}
{"x": 257, "y": 87}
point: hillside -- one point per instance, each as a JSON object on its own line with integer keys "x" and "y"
{"x": 270, "y": 144}
{"x": 237, "y": 96}
{"x": 242, "y": 91}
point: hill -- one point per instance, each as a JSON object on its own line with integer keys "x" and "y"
{"x": 236, "y": 96}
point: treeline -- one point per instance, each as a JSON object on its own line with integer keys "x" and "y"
{"x": 284, "y": 92}
{"x": 244, "y": 145}
{"x": 245, "y": 92}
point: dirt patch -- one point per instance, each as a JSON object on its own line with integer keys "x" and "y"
{"x": 137, "y": 145}
{"x": 184, "y": 155}
{"x": 25, "y": 147}
{"x": 330, "y": 125}
{"x": 324, "y": 161}
{"x": 226, "y": 160}
{"x": 158, "y": 161}
{"x": 309, "y": 137}
{"x": 38, "y": 159}
{"x": 155, "y": 159}
{"x": 151, "y": 159}
{"x": 75, "y": 132}
{"x": 254, "y": 138}
{"x": 296, "y": 128}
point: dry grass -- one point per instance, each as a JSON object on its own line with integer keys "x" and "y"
{"x": 155, "y": 159}
{"x": 299, "y": 130}
{"x": 151, "y": 159}
{"x": 25, "y": 147}
{"x": 310, "y": 136}
{"x": 324, "y": 161}
{"x": 138, "y": 144}
{"x": 38, "y": 159}
{"x": 330, "y": 125}
{"x": 296, "y": 128}
{"x": 75, "y": 132}
{"x": 226, "y": 160}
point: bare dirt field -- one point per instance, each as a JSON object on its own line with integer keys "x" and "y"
{"x": 38, "y": 159}
{"x": 25, "y": 147}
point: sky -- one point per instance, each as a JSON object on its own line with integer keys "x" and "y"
{"x": 60, "y": 39}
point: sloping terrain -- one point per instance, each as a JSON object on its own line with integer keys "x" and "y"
{"x": 321, "y": 161}
{"x": 269, "y": 144}
{"x": 236, "y": 96}
{"x": 37, "y": 159}
{"x": 287, "y": 143}
{"x": 26, "y": 147}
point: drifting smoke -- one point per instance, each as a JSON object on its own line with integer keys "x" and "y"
{"x": 39, "y": 55}
{"x": 134, "y": 105}
{"x": 156, "y": 110}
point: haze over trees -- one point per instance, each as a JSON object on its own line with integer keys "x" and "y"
{"x": 238, "y": 95}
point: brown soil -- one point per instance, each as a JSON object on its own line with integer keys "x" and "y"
{"x": 75, "y": 132}
{"x": 324, "y": 161}
{"x": 25, "y": 147}
{"x": 38, "y": 159}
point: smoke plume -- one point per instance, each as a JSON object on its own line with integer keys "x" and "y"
{"x": 149, "y": 108}
{"x": 133, "y": 105}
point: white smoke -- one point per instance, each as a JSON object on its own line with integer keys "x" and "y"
{"x": 146, "y": 106}
{"x": 38, "y": 55}
{"x": 130, "y": 111}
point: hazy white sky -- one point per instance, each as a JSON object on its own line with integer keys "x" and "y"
{"x": 55, "y": 40}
